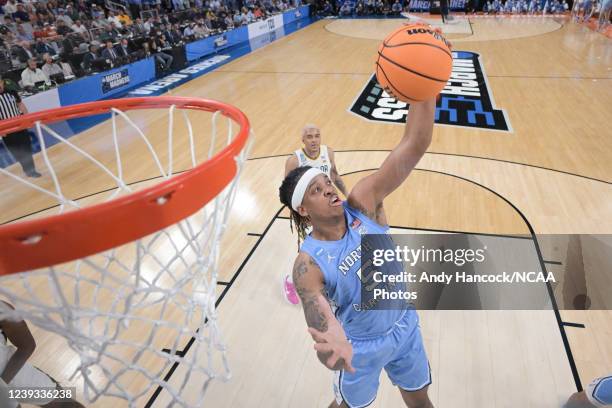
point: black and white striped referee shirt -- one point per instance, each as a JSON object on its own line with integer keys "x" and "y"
{"x": 9, "y": 105}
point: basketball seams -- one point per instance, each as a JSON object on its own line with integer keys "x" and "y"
{"x": 419, "y": 43}
{"x": 392, "y": 86}
{"x": 410, "y": 70}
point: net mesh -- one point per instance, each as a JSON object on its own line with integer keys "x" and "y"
{"x": 131, "y": 313}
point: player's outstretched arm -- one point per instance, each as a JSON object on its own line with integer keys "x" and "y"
{"x": 335, "y": 176}
{"x": 333, "y": 349}
{"x": 369, "y": 193}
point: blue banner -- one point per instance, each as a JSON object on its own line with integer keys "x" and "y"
{"x": 108, "y": 83}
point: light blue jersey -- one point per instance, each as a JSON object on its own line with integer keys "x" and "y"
{"x": 340, "y": 262}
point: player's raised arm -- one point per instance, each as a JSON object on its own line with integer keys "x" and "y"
{"x": 335, "y": 176}
{"x": 333, "y": 348}
{"x": 369, "y": 193}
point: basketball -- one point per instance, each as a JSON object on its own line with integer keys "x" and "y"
{"x": 414, "y": 63}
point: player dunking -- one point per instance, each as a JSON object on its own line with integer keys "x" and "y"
{"x": 316, "y": 155}
{"x": 357, "y": 344}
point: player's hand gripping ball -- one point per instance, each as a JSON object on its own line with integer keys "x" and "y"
{"x": 414, "y": 63}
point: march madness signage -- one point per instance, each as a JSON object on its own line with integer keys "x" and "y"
{"x": 115, "y": 80}
{"x": 465, "y": 101}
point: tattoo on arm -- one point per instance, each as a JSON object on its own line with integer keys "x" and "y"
{"x": 312, "y": 310}
{"x": 315, "y": 317}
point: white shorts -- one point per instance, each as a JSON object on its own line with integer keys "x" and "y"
{"x": 28, "y": 377}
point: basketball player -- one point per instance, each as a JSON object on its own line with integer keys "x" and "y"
{"x": 17, "y": 372}
{"x": 597, "y": 394}
{"x": 357, "y": 345}
{"x": 316, "y": 155}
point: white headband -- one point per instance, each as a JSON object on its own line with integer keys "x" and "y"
{"x": 302, "y": 185}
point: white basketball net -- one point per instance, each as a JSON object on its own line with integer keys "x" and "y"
{"x": 129, "y": 312}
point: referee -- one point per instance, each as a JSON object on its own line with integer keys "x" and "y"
{"x": 18, "y": 143}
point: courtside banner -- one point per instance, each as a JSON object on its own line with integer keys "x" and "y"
{"x": 108, "y": 83}
{"x": 483, "y": 272}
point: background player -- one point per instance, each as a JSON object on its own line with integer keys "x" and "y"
{"x": 357, "y": 344}
{"x": 316, "y": 155}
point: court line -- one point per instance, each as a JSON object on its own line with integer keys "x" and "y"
{"x": 549, "y": 77}
{"x": 452, "y": 154}
{"x": 559, "y": 21}
{"x": 578, "y": 325}
{"x": 295, "y": 72}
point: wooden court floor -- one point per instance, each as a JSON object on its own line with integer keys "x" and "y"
{"x": 551, "y": 175}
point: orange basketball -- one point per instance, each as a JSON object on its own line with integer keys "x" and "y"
{"x": 414, "y": 63}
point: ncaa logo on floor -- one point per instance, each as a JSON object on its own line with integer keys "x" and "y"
{"x": 465, "y": 101}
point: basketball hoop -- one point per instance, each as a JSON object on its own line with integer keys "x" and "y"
{"x": 139, "y": 264}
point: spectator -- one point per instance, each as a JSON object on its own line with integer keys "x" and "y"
{"x": 62, "y": 16}
{"x": 21, "y": 15}
{"x": 237, "y": 19}
{"x": 62, "y": 28}
{"x": 123, "y": 50}
{"x": 109, "y": 54}
{"x": 10, "y": 7}
{"x": 113, "y": 19}
{"x": 148, "y": 25}
{"x": 23, "y": 35}
{"x": 43, "y": 47}
{"x": 169, "y": 34}
{"x": 79, "y": 28}
{"x": 90, "y": 57}
{"x": 189, "y": 31}
{"x": 229, "y": 23}
{"x": 73, "y": 13}
{"x": 109, "y": 34}
{"x": 164, "y": 60}
{"x": 96, "y": 13}
{"x": 23, "y": 52}
{"x": 66, "y": 68}
{"x": 124, "y": 19}
{"x": 345, "y": 10}
{"x": 396, "y": 8}
{"x": 139, "y": 28}
{"x": 200, "y": 31}
{"x": 50, "y": 68}
{"x": 33, "y": 75}
{"x": 176, "y": 33}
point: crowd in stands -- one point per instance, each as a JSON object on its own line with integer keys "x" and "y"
{"x": 56, "y": 40}
{"x": 390, "y": 8}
